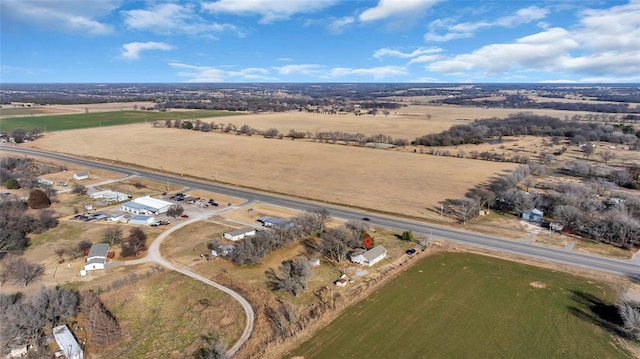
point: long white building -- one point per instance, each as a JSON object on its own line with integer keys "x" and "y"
{"x": 146, "y": 205}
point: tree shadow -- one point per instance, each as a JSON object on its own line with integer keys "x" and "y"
{"x": 596, "y": 311}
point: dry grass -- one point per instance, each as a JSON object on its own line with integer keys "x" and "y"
{"x": 7, "y": 112}
{"x": 385, "y": 180}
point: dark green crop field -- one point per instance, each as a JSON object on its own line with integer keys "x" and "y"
{"x": 97, "y": 119}
{"x": 471, "y": 306}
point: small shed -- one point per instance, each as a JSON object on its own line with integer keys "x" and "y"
{"x": 342, "y": 282}
{"x": 314, "y": 262}
{"x": 534, "y": 215}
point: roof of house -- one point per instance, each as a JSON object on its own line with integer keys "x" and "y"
{"x": 240, "y": 231}
{"x": 535, "y": 211}
{"x": 99, "y": 250}
{"x": 81, "y": 174}
{"x": 374, "y": 252}
{"x": 65, "y": 339}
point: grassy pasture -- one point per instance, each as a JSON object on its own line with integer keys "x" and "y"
{"x": 102, "y": 119}
{"x": 162, "y": 316}
{"x": 455, "y": 305}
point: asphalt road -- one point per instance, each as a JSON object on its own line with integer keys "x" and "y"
{"x": 629, "y": 268}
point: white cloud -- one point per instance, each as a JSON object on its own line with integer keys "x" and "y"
{"x": 376, "y": 73}
{"x": 405, "y": 55}
{"x": 132, "y": 50}
{"x": 69, "y": 16}
{"x": 544, "y": 50}
{"x": 424, "y": 58}
{"x": 194, "y": 73}
{"x": 302, "y": 69}
{"x": 392, "y": 8}
{"x": 171, "y": 18}
{"x": 270, "y": 10}
{"x": 467, "y": 29}
{"x": 338, "y": 25}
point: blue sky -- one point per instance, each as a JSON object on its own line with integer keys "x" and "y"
{"x": 319, "y": 41}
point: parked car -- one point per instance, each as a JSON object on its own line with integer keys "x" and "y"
{"x": 185, "y": 216}
{"x": 411, "y": 251}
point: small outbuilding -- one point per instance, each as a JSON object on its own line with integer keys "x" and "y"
{"x": 370, "y": 257}
{"x": 314, "y": 262}
{"x": 67, "y": 342}
{"x": 533, "y": 215}
{"x": 97, "y": 257}
{"x": 239, "y": 234}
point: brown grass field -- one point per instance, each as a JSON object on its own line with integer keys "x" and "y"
{"x": 388, "y": 181}
{"x": 7, "y": 111}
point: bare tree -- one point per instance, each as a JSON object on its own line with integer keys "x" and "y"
{"x": 175, "y": 211}
{"x": 21, "y": 270}
{"x": 60, "y": 252}
{"x": 112, "y": 234}
{"x": 213, "y": 348}
{"x": 56, "y": 303}
{"x": 607, "y": 155}
{"x": 293, "y": 276}
{"x": 588, "y": 150}
{"x": 79, "y": 188}
{"x": 630, "y": 314}
{"x": 136, "y": 242}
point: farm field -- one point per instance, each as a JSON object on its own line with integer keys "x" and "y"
{"x": 413, "y": 184}
{"x": 101, "y": 119}
{"x": 455, "y": 305}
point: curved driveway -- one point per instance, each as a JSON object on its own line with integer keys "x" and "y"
{"x": 154, "y": 256}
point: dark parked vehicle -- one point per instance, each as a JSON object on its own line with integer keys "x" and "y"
{"x": 410, "y": 251}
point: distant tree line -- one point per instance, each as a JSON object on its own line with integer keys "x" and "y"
{"x": 524, "y": 102}
{"x": 527, "y": 124}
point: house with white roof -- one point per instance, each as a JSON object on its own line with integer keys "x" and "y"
{"x": 370, "y": 257}
{"x": 67, "y": 342}
{"x": 238, "y": 234}
{"x": 97, "y": 256}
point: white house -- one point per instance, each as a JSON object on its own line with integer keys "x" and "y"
{"x": 238, "y": 234}
{"x": 67, "y": 342}
{"x": 110, "y": 196}
{"x": 370, "y": 257}
{"x": 142, "y": 220}
{"x": 146, "y": 205}
{"x": 119, "y": 218}
{"x": 80, "y": 176}
{"x": 97, "y": 256}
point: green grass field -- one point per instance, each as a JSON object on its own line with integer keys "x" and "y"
{"x": 471, "y": 306}
{"x": 87, "y": 120}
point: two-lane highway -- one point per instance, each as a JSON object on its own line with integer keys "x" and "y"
{"x": 627, "y": 268}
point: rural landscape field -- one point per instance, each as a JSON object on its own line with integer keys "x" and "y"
{"x": 426, "y": 293}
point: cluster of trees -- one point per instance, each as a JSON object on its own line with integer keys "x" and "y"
{"x": 292, "y": 276}
{"x": 337, "y": 243}
{"x": 252, "y": 249}
{"x": 629, "y": 312}
{"x": 25, "y": 320}
{"x": 21, "y": 135}
{"x": 522, "y": 124}
{"x": 16, "y": 223}
{"x": 175, "y": 211}
{"x": 578, "y": 207}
